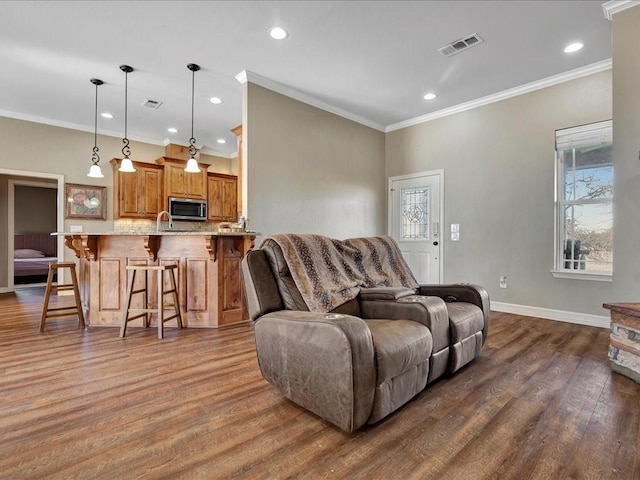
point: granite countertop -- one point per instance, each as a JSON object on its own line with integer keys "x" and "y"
{"x": 164, "y": 232}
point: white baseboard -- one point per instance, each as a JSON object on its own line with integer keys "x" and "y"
{"x": 550, "y": 314}
{"x": 4, "y": 290}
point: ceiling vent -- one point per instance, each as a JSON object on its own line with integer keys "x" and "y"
{"x": 460, "y": 45}
{"x": 155, "y": 104}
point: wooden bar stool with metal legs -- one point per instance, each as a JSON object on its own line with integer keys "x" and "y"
{"x": 62, "y": 311}
{"x": 160, "y": 304}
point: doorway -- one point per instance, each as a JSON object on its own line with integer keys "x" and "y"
{"x": 11, "y": 179}
{"x": 416, "y": 208}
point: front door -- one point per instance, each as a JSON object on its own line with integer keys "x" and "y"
{"x": 415, "y": 207}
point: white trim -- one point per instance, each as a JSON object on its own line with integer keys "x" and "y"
{"x": 551, "y": 314}
{"x": 108, "y": 133}
{"x": 616, "y": 6}
{"x": 242, "y": 77}
{"x": 505, "y": 94}
{"x": 592, "y": 276}
{"x": 11, "y": 213}
{"x": 247, "y": 76}
{"x": 440, "y": 174}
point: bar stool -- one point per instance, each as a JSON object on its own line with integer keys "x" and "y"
{"x": 160, "y": 304}
{"x": 62, "y": 311}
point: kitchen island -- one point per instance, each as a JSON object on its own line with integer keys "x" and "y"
{"x": 208, "y": 275}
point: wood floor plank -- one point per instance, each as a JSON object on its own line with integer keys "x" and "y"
{"x": 539, "y": 403}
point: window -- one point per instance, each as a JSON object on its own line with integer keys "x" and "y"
{"x": 584, "y": 202}
{"x": 415, "y": 213}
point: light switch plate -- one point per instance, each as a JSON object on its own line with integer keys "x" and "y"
{"x": 455, "y": 236}
{"x": 455, "y": 227}
{"x": 75, "y": 228}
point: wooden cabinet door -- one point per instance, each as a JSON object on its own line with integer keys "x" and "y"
{"x": 179, "y": 183}
{"x": 230, "y": 198}
{"x": 214, "y": 198}
{"x": 151, "y": 198}
{"x": 137, "y": 194}
{"x": 196, "y": 184}
{"x": 175, "y": 180}
{"x": 222, "y": 197}
{"x": 128, "y": 205}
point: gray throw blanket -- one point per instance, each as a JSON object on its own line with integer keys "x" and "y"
{"x": 330, "y": 272}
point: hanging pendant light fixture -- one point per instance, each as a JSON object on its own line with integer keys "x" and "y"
{"x": 126, "y": 165}
{"x": 95, "y": 171}
{"x": 192, "y": 163}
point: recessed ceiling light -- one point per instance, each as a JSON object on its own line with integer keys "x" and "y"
{"x": 429, "y": 96}
{"x": 222, "y": 140}
{"x": 215, "y": 100}
{"x": 106, "y": 115}
{"x": 574, "y": 47}
{"x": 278, "y": 33}
{"x": 172, "y": 130}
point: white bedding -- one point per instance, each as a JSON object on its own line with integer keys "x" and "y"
{"x": 32, "y": 266}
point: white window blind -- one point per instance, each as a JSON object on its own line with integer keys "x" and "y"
{"x": 584, "y": 135}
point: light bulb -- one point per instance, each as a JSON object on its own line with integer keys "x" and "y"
{"x": 192, "y": 166}
{"x": 95, "y": 172}
{"x": 126, "y": 166}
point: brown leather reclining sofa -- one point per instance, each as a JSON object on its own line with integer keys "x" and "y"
{"x": 368, "y": 357}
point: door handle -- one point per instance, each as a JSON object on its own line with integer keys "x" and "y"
{"x": 435, "y": 229}
{"x": 435, "y": 243}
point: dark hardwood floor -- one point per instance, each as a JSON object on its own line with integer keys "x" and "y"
{"x": 539, "y": 403}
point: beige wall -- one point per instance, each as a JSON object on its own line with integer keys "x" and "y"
{"x": 36, "y": 209}
{"x": 309, "y": 170}
{"x": 499, "y": 186}
{"x": 626, "y": 148}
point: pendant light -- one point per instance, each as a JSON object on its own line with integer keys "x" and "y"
{"x": 192, "y": 163}
{"x": 94, "y": 171}
{"x": 126, "y": 165}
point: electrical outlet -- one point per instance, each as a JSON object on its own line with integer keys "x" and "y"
{"x": 503, "y": 281}
{"x": 75, "y": 228}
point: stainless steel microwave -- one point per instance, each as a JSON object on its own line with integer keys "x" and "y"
{"x": 188, "y": 209}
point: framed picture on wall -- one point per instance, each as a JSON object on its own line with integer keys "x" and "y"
{"x": 86, "y": 201}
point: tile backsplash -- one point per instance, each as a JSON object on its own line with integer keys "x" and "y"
{"x": 146, "y": 225}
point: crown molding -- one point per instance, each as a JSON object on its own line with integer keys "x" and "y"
{"x": 242, "y": 77}
{"x": 203, "y": 149}
{"x": 248, "y": 76}
{"x": 505, "y": 94}
{"x": 107, "y": 133}
{"x": 615, "y": 6}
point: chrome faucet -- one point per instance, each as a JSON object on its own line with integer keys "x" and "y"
{"x": 160, "y": 216}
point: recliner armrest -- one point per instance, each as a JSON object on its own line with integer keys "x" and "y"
{"x": 385, "y": 293}
{"x": 462, "y": 292}
{"x": 323, "y": 362}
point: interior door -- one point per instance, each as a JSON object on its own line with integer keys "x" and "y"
{"x": 415, "y": 208}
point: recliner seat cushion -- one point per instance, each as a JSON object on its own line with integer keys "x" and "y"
{"x": 398, "y": 346}
{"x": 465, "y": 320}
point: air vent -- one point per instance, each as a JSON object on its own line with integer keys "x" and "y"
{"x": 155, "y": 104}
{"x": 460, "y": 45}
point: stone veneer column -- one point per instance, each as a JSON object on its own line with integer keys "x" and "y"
{"x": 624, "y": 350}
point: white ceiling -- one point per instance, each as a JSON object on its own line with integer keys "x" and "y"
{"x": 372, "y": 60}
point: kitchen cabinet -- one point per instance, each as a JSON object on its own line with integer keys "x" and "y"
{"x": 222, "y": 201}
{"x": 137, "y": 194}
{"x": 209, "y": 280}
{"x": 178, "y": 183}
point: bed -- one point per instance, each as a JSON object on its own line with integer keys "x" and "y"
{"x": 32, "y": 255}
